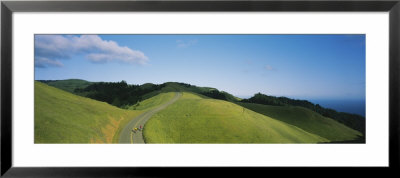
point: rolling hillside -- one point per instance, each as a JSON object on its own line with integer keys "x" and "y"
{"x": 183, "y": 87}
{"x": 193, "y": 119}
{"x": 123, "y": 95}
{"x": 354, "y": 121}
{"x": 307, "y": 120}
{"x": 201, "y": 115}
{"x": 153, "y": 101}
{"x": 62, "y": 117}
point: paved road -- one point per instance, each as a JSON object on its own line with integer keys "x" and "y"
{"x": 127, "y": 136}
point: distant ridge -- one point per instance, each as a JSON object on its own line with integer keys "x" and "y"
{"x": 354, "y": 121}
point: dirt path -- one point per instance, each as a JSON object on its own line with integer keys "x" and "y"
{"x": 127, "y": 136}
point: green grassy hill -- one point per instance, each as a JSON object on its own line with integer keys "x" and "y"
{"x": 62, "y": 117}
{"x": 153, "y": 101}
{"x": 197, "y": 117}
{"x": 307, "y": 120}
{"x": 354, "y": 121}
{"x": 182, "y": 87}
{"x": 193, "y": 119}
{"x": 125, "y": 95}
{"x": 205, "y": 91}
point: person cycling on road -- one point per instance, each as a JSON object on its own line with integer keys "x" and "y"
{"x": 134, "y": 130}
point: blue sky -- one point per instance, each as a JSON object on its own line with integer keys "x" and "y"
{"x": 295, "y": 66}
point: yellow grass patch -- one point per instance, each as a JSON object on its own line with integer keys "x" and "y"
{"x": 110, "y": 130}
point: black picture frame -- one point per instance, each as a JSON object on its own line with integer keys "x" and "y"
{"x": 8, "y": 7}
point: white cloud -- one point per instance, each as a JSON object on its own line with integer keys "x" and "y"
{"x": 96, "y": 49}
{"x": 104, "y": 57}
{"x": 185, "y": 44}
{"x": 45, "y": 62}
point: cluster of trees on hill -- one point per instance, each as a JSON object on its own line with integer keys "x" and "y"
{"x": 119, "y": 94}
{"x": 214, "y": 94}
{"x": 67, "y": 85}
{"x": 277, "y": 101}
{"x": 354, "y": 121}
{"x": 206, "y": 91}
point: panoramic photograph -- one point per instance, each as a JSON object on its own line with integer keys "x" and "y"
{"x": 199, "y": 88}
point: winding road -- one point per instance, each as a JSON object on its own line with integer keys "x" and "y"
{"x": 127, "y": 136}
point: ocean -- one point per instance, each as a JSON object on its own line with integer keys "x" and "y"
{"x": 349, "y": 106}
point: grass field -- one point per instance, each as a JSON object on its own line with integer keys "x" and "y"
{"x": 153, "y": 101}
{"x": 307, "y": 120}
{"x": 193, "y": 119}
{"x": 179, "y": 87}
{"x": 62, "y": 117}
